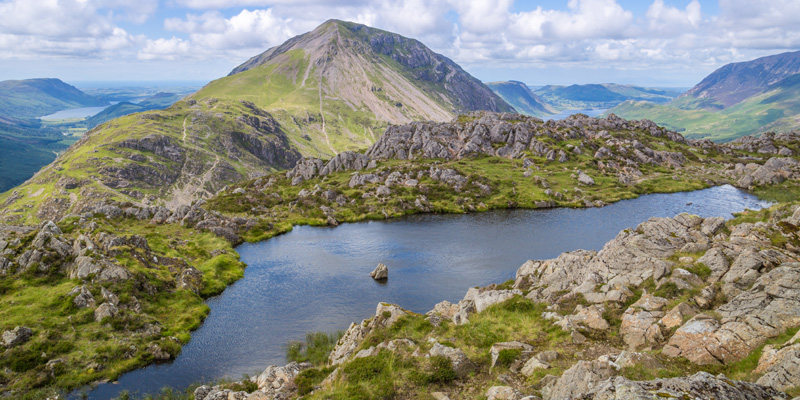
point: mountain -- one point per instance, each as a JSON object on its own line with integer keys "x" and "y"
{"x": 32, "y": 98}
{"x": 332, "y": 89}
{"x": 155, "y": 102}
{"x": 733, "y": 83}
{"x": 605, "y": 95}
{"x": 337, "y": 87}
{"x": 736, "y": 100}
{"x": 519, "y": 96}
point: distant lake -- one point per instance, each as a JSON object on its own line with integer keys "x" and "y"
{"x": 317, "y": 278}
{"x": 83, "y": 112}
{"x": 567, "y": 113}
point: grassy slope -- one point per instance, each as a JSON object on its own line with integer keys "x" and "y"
{"x": 776, "y": 109}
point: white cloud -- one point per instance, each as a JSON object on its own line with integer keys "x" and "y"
{"x": 663, "y": 18}
{"x": 165, "y": 49}
{"x": 486, "y": 33}
{"x": 65, "y": 28}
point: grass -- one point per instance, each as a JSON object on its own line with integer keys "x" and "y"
{"x": 315, "y": 349}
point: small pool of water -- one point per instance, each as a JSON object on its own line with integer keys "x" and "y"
{"x": 317, "y": 278}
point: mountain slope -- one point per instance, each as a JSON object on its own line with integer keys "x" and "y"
{"x": 331, "y": 91}
{"x": 735, "y": 100}
{"x": 33, "y": 98}
{"x": 336, "y": 88}
{"x": 519, "y": 96}
{"x": 736, "y": 82}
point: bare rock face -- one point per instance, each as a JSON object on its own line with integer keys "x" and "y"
{"x": 626, "y": 261}
{"x": 581, "y": 378}
{"x": 701, "y": 385}
{"x": 639, "y": 323}
{"x": 766, "y": 310}
{"x": 780, "y": 366}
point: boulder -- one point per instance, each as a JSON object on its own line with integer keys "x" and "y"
{"x": 502, "y": 393}
{"x": 381, "y": 272}
{"x": 531, "y": 366}
{"x": 585, "y": 179}
{"x": 461, "y": 364}
{"x": 17, "y": 336}
{"x": 106, "y": 310}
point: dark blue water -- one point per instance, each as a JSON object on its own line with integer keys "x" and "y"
{"x": 567, "y": 113}
{"x": 317, "y": 279}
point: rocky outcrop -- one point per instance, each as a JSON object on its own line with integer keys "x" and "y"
{"x": 583, "y": 377}
{"x": 701, "y": 385}
{"x": 509, "y": 135}
{"x": 274, "y": 383}
{"x": 385, "y": 315}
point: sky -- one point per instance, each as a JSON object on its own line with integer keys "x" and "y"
{"x": 645, "y": 42}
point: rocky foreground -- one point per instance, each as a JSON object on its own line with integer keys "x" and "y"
{"x": 701, "y": 294}
{"x": 100, "y": 287}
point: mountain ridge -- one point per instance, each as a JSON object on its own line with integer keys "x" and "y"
{"x": 519, "y": 96}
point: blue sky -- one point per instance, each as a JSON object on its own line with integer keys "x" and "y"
{"x": 645, "y": 42}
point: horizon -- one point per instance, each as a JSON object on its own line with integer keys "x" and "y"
{"x": 658, "y": 43}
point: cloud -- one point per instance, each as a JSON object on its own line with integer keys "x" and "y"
{"x": 662, "y": 18}
{"x": 64, "y": 28}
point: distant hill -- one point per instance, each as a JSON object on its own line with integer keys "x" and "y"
{"x": 157, "y": 101}
{"x": 519, "y": 96}
{"x": 733, "y": 83}
{"x": 32, "y": 98}
{"x": 605, "y": 95}
{"x": 735, "y": 100}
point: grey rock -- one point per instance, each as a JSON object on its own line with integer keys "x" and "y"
{"x": 83, "y": 298}
{"x": 380, "y": 272}
{"x": 105, "y": 310}
{"x": 461, "y": 364}
{"x": 502, "y": 393}
{"x": 17, "y": 336}
{"x": 701, "y": 385}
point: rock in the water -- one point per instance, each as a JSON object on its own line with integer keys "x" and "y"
{"x": 380, "y": 272}
{"x": 17, "y": 336}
